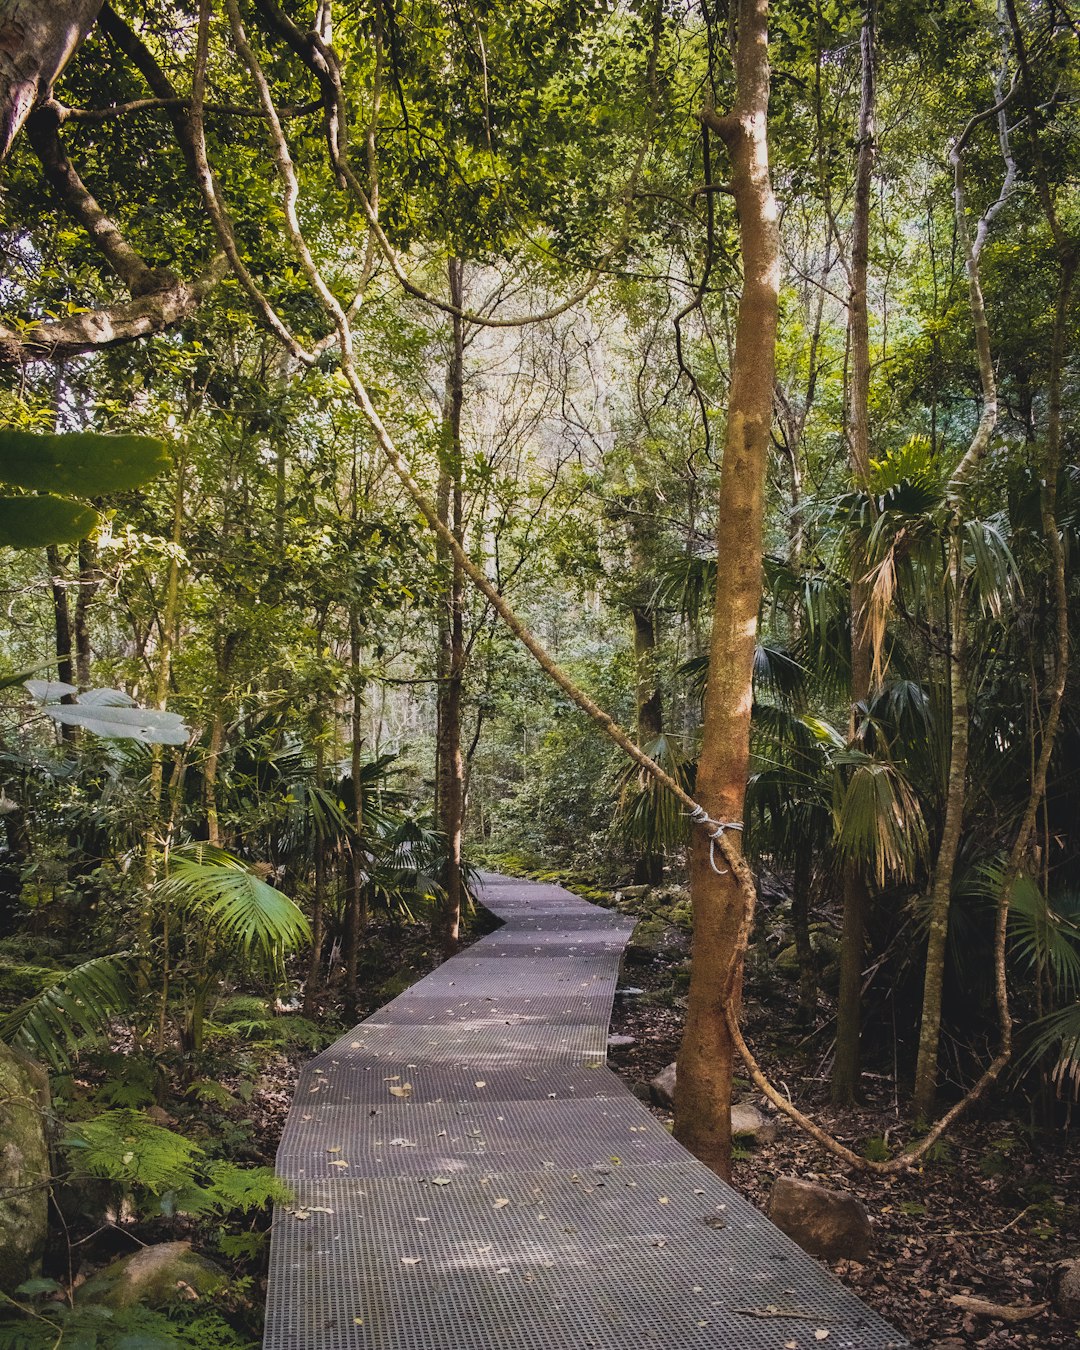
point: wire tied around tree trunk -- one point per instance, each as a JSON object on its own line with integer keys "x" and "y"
{"x": 716, "y": 830}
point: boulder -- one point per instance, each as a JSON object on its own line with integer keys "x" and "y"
{"x": 154, "y": 1276}
{"x": 1067, "y": 1290}
{"x": 654, "y": 939}
{"x": 830, "y": 1224}
{"x": 662, "y": 1087}
{"x": 24, "y": 1167}
{"x": 748, "y": 1124}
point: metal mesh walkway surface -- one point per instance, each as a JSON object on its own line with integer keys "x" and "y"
{"x": 469, "y": 1175}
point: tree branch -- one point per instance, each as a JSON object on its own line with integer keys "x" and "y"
{"x": 111, "y": 326}
{"x": 43, "y": 129}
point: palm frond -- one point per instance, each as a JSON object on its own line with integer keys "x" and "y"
{"x": 648, "y": 815}
{"x": 995, "y": 574}
{"x": 1043, "y": 935}
{"x": 879, "y": 820}
{"x": 73, "y": 1006}
{"x": 239, "y": 909}
{"x": 1058, "y": 1032}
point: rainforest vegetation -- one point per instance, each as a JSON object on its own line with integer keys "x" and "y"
{"x": 633, "y": 443}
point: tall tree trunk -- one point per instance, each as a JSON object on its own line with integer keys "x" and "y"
{"x": 945, "y": 866}
{"x": 959, "y": 733}
{"x": 845, "y": 1075}
{"x": 650, "y": 718}
{"x": 356, "y": 915}
{"x": 720, "y": 899}
{"x": 313, "y": 985}
{"x": 450, "y": 764}
{"x": 65, "y": 668}
{"x": 88, "y": 585}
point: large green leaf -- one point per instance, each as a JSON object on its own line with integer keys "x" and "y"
{"x": 240, "y": 910}
{"x": 34, "y": 522}
{"x": 85, "y": 463}
{"x": 73, "y": 1005}
{"x": 139, "y": 724}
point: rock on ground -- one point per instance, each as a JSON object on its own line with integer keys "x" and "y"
{"x": 1067, "y": 1292}
{"x": 830, "y": 1224}
{"x": 154, "y": 1276}
{"x": 662, "y": 1086}
{"x": 748, "y": 1124}
{"x": 24, "y": 1167}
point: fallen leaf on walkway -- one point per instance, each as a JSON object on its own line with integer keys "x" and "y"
{"x": 480, "y": 1083}
{"x": 338, "y": 1162}
{"x": 336, "y": 1148}
{"x": 405, "y": 1090}
{"x": 440, "y": 1181}
{"x": 501, "y": 1203}
{"x": 821, "y": 1334}
{"x": 411, "y": 1260}
{"x": 663, "y": 1200}
{"x": 402, "y": 1143}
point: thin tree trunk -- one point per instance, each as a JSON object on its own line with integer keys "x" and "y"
{"x": 650, "y": 717}
{"x": 945, "y": 867}
{"x": 356, "y": 919}
{"x": 802, "y": 884}
{"x": 88, "y": 585}
{"x": 210, "y": 777}
{"x": 959, "y": 735}
{"x": 313, "y": 985}
{"x": 65, "y": 669}
{"x": 722, "y": 900}
{"x": 450, "y": 767}
{"x": 845, "y": 1075}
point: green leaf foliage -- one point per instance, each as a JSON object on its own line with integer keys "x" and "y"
{"x": 73, "y": 1006}
{"x": 137, "y": 724}
{"x": 35, "y": 522}
{"x": 240, "y": 911}
{"x": 84, "y": 463}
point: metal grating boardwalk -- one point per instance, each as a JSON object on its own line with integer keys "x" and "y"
{"x": 469, "y": 1175}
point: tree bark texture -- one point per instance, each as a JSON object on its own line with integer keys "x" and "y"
{"x": 37, "y": 39}
{"x": 856, "y": 895}
{"x": 450, "y": 763}
{"x": 720, "y": 899}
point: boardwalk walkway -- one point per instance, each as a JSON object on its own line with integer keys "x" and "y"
{"x": 470, "y": 1176}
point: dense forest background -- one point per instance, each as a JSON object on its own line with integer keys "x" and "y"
{"x": 353, "y": 269}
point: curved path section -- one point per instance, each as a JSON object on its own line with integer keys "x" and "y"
{"x": 469, "y": 1175}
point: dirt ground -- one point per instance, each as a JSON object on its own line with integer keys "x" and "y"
{"x": 992, "y": 1215}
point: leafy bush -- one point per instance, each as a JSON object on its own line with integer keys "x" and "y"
{"x": 161, "y": 1172}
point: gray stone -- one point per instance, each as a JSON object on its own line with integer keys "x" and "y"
{"x": 654, "y": 939}
{"x": 629, "y": 991}
{"x": 1067, "y": 1290}
{"x": 830, "y": 1224}
{"x": 633, "y": 892}
{"x": 24, "y": 1167}
{"x": 154, "y": 1276}
{"x": 662, "y": 1086}
{"x": 617, "y": 1042}
{"x": 748, "y": 1123}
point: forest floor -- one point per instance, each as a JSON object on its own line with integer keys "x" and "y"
{"x": 992, "y": 1215}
